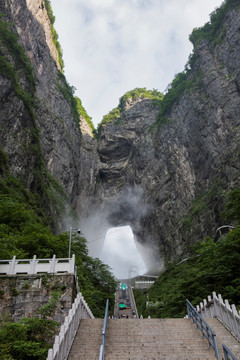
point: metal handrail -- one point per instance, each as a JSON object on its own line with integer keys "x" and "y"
{"x": 133, "y": 300}
{"x": 207, "y": 332}
{"x": 228, "y": 355}
{"x": 102, "y": 347}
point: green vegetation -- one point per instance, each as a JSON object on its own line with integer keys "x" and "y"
{"x": 29, "y": 338}
{"x": 16, "y": 66}
{"x": 81, "y": 111}
{"x": 75, "y": 103}
{"x": 46, "y": 198}
{"x": 19, "y": 64}
{"x": 203, "y": 202}
{"x": 180, "y": 83}
{"x": 213, "y": 30}
{"x": 68, "y": 93}
{"x": 233, "y": 205}
{"x": 138, "y": 93}
{"x": 214, "y": 267}
{"x": 111, "y": 116}
{"x": 54, "y": 33}
{"x": 211, "y": 267}
{"x": 22, "y": 233}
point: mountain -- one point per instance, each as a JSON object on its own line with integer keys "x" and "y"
{"x": 161, "y": 164}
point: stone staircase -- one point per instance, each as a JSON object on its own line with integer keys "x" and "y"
{"x": 87, "y": 341}
{"x": 224, "y": 337}
{"x": 155, "y": 339}
{"x": 149, "y": 339}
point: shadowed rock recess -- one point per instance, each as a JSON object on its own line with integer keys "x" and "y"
{"x": 167, "y": 181}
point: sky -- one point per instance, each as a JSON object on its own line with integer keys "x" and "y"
{"x": 113, "y": 46}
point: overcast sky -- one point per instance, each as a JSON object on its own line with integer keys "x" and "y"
{"x": 113, "y": 46}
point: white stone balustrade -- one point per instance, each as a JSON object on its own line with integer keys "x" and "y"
{"x": 36, "y": 266}
{"x": 215, "y": 306}
{"x": 63, "y": 341}
{"x": 143, "y": 284}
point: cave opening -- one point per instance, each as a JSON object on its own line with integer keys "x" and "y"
{"x": 120, "y": 252}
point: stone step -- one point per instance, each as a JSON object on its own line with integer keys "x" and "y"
{"x": 86, "y": 345}
{"x": 224, "y": 336}
{"x": 149, "y": 339}
{"x": 140, "y": 339}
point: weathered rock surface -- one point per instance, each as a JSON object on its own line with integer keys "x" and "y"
{"x": 149, "y": 179}
{"x": 64, "y": 149}
{"x": 22, "y": 295}
{"x": 134, "y": 174}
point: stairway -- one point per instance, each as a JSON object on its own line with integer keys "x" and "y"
{"x": 87, "y": 341}
{"x": 149, "y": 339}
{"x": 155, "y": 339}
{"x": 224, "y": 337}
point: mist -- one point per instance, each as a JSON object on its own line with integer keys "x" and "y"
{"x": 121, "y": 254}
{"x": 115, "y": 234}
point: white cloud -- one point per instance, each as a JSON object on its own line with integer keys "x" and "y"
{"x": 113, "y": 46}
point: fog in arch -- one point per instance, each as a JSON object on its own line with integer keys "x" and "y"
{"x": 121, "y": 253}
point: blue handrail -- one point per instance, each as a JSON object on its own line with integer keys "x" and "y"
{"x": 207, "y": 332}
{"x": 228, "y": 355}
{"x": 102, "y": 347}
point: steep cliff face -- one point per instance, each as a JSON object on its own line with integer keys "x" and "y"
{"x": 50, "y": 122}
{"x": 167, "y": 181}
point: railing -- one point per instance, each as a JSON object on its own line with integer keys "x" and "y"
{"x": 133, "y": 300}
{"x": 102, "y": 347}
{"x": 143, "y": 284}
{"x": 226, "y": 313}
{"x": 35, "y": 266}
{"x": 228, "y": 355}
{"x": 207, "y": 332}
{"x": 64, "y": 340}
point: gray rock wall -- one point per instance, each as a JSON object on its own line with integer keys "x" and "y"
{"x": 22, "y": 295}
{"x": 180, "y": 171}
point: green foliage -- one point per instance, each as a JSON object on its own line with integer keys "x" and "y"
{"x": 233, "y": 205}
{"x": 179, "y": 85}
{"x": 95, "y": 278}
{"x": 213, "y": 31}
{"x": 214, "y": 267}
{"x": 115, "y": 114}
{"x": 23, "y": 234}
{"x": 81, "y": 111}
{"x": 21, "y": 64}
{"x": 9, "y": 40}
{"x": 54, "y": 33}
{"x": 29, "y": 338}
{"x": 68, "y": 93}
{"x": 4, "y": 165}
{"x": 203, "y": 202}
{"x": 111, "y": 116}
{"x": 137, "y": 93}
{"x": 46, "y": 311}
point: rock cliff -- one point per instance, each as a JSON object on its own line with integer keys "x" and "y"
{"x": 41, "y": 137}
{"x": 167, "y": 181}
